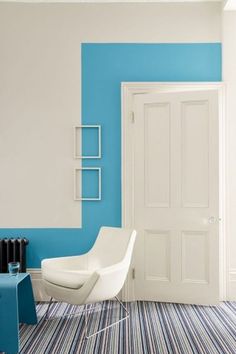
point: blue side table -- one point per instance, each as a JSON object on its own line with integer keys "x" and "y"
{"x": 16, "y": 306}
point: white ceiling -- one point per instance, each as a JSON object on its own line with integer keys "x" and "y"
{"x": 227, "y": 4}
{"x": 111, "y": 1}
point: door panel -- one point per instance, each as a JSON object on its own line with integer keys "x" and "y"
{"x": 195, "y": 257}
{"x": 176, "y": 191}
{"x": 195, "y": 151}
{"x": 157, "y": 152}
{"x": 157, "y": 245}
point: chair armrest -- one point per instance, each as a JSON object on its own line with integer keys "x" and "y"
{"x": 110, "y": 269}
{"x": 65, "y": 263}
{"x": 110, "y": 281}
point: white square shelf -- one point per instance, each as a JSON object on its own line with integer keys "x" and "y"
{"x": 80, "y": 170}
{"x": 78, "y": 141}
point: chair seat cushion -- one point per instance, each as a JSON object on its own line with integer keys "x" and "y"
{"x": 73, "y": 279}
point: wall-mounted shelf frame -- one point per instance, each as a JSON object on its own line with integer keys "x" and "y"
{"x": 77, "y": 141}
{"x": 81, "y": 169}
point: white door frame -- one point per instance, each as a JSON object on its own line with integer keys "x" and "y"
{"x": 128, "y": 91}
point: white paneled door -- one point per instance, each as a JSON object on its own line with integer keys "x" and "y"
{"x": 176, "y": 196}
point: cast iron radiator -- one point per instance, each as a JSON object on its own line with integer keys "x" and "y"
{"x": 13, "y": 250}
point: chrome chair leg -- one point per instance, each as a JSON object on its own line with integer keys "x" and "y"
{"x": 47, "y": 318}
{"x": 47, "y": 312}
{"x": 86, "y": 336}
{"x": 87, "y": 311}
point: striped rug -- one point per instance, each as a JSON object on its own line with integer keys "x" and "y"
{"x": 152, "y": 328}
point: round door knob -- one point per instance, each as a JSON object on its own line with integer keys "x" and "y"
{"x": 212, "y": 220}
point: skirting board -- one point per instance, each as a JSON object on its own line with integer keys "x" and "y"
{"x": 38, "y": 289}
{"x": 40, "y": 295}
{"x": 232, "y": 285}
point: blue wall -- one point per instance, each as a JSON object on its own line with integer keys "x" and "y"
{"x": 104, "y": 67}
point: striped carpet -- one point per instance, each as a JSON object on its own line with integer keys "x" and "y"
{"x": 153, "y": 328}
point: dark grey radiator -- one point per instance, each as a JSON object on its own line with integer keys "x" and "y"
{"x": 13, "y": 250}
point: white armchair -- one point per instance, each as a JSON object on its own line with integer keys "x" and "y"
{"x": 95, "y": 276}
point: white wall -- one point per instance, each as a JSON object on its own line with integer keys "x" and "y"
{"x": 229, "y": 76}
{"x": 40, "y": 94}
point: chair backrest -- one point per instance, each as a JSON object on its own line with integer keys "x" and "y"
{"x": 112, "y": 246}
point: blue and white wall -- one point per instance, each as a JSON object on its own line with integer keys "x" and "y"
{"x": 62, "y": 65}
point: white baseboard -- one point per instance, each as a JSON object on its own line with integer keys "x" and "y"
{"x": 38, "y": 289}
{"x": 231, "y": 296}
{"x": 40, "y": 295}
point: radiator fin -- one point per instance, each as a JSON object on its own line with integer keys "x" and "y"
{"x": 13, "y": 250}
